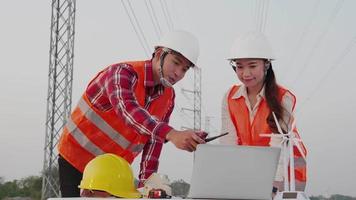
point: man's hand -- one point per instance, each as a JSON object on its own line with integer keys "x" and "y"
{"x": 185, "y": 140}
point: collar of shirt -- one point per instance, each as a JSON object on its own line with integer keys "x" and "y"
{"x": 152, "y": 90}
{"x": 242, "y": 92}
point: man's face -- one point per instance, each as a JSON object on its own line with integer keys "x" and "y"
{"x": 175, "y": 66}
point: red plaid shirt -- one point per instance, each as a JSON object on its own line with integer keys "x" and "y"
{"x": 114, "y": 88}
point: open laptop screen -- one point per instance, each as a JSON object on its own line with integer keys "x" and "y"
{"x": 233, "y": 172}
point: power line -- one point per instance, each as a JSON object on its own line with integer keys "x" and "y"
{"x": 142, "y": 40}
{"x": 169, "y": 15}
{"x": 265, "y": 17}
{"x": 139, "y": 26}
{"x": 335, "y": 64}
{"x": 320, "y": 38}
{"x": 306, "y": 30}
{"x": 166, "y": 16}
{"x": 257, "y": 14}
{"x": 154, "y": 23}
{"x": 261, "y": 14}
{"x": 254, "y": 12}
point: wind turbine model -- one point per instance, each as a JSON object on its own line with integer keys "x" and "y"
{"x": 288, "y": 142}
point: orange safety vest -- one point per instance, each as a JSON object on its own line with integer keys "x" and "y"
{"x": 90, "y": 132}
{"x": 249, "y": 133}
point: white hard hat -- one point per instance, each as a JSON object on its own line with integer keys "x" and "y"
{"x": 157, "y": 181}
{"x": 251, "y": 45}
{"x": 182, "y": 42}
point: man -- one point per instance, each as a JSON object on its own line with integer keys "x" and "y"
{"x": 125, "y": 110}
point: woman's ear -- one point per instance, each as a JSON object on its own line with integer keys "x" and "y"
{"x": 267, "y": 65}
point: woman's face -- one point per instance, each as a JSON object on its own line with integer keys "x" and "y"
{"x": 251, "y": 72}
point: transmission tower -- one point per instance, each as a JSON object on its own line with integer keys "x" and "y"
{"x": 197, "y": 99}
{"x": 207, "y": 124}
{"x": 59, "y": 97}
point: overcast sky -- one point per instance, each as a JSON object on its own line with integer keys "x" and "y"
{"x": 314, "y": 42}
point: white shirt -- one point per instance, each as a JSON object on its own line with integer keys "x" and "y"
{"x": 228, "y": 126}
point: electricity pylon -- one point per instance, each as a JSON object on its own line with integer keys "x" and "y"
{"x": 59, "y": 96}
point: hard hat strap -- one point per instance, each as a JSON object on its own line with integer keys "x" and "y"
{"x": 164, "y": 81}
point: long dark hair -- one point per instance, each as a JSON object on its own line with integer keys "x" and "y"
{"x": 273, "y": 100}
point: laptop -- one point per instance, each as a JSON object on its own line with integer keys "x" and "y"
{"x": 233, "y": 172}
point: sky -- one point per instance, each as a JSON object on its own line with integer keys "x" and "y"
{"x": 314, "y": 42}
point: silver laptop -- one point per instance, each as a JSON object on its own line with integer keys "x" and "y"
{"x": 233, "y": 172}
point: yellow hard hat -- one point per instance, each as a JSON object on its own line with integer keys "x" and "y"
{"x": 110, "y": 173}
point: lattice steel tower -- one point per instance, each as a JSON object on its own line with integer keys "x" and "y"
{"x": 197, "y": 99}
{"x": 59, "y": 96}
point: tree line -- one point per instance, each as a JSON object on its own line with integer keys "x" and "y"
{"x": 27, "y": 187}
{"x": 30, "y": 187}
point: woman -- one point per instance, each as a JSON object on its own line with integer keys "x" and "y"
{"x": 247, "y": 108}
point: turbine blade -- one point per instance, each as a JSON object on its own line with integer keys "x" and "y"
{"x": 277, "y": 123}
{"x": 293, "y": 125}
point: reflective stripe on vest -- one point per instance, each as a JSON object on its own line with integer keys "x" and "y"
{"x": 249, "y": 133}
{"x": 82, "y": 139}
{"x": 299, "y": 161}
{"x": 90, "y": 132}
{"x": 103, "y": 126}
